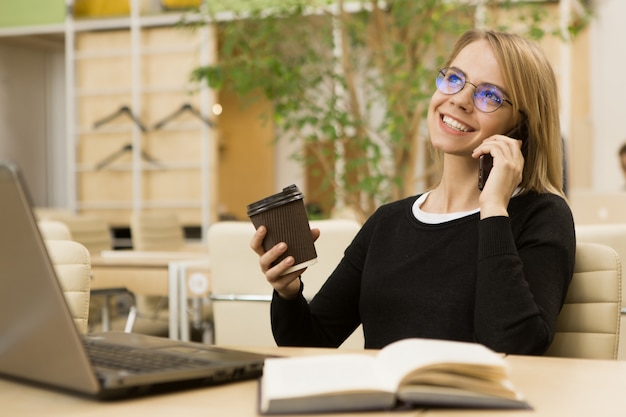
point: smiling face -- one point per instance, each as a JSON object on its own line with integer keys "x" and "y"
{"x": 456, "y": 126}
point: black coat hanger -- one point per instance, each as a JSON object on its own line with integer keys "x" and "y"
{"x": 184, "y": 108}
{"x": 126, "y": 148}
{"x": 122, "y": 110}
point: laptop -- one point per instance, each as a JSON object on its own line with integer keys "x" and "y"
{"x": 40, "y": 344}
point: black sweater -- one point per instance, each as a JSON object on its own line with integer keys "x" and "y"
{"x": 500, "y": 281}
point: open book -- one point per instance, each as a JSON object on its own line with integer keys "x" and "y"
{"x": 407, "y": 373}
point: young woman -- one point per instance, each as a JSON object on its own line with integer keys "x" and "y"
{"x": 490, "y": 266}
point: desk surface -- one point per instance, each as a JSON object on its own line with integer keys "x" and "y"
{"x": 145, "y": 259}
{"x": 553, "y": 386}
{"x": 142, "y": 272}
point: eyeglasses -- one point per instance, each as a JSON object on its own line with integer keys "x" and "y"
{"x": 487, "y": 97}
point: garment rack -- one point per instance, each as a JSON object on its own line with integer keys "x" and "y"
{"x": 186, "y": 107}
{"x": 126, "y": 148}
{"x": 121, "y": 111}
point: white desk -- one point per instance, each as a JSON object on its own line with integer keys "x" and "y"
{"x": 156, "y": 273}
{"x": 555, "y": 387}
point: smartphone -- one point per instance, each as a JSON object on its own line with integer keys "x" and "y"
{"x": 485, "y": 162}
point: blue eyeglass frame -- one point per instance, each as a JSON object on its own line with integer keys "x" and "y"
{"x": 441, "y": 75}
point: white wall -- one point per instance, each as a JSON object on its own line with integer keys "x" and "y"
{"x": 22, "y": 111}
{"x": 31, "y": 118}
{"x": 608, "y": 92}
{"x": 56, "y": 181}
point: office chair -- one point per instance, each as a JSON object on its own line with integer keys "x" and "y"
{"x": 94, "y": 233}
{"x": 613, "y": 235}
{"x": 156, "y": 231}
{"x": 90, "y": 230}
{"x": 163, "y": 232}
{"x": 589, "y": 322}
{"x": 240, "y": 294}
{"x": 72, "y": 264}
{"x": 54, "y": 230}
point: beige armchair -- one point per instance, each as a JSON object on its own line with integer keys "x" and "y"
{"x": 588, "y": 325}
{"x": 159, "y": 231}
{"x": 54, "y": 230}
{"x": 156, "y": 231}
{"x": 92, "y": 231}
{"x": 239, "y": 293}
{"x": 72, "y": 264}
{"x": 241, "y": 296}
{"x": 613, "y": 235}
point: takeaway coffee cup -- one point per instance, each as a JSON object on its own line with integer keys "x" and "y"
{"x": 285, "y": 217}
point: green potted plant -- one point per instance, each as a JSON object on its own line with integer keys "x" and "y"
{"x": 350, "y": 82}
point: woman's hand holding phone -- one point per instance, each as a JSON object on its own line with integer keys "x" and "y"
{"x": 500, "y": 172}
{"x": 485, "y": 161}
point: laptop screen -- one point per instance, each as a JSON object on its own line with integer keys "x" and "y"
{"x": 38, "y": 338}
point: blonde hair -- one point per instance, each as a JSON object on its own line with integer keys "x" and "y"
{"x": 532, "y": 88}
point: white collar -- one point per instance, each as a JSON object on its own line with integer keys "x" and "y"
{"x": 437, "y": 218}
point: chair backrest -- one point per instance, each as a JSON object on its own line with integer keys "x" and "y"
{"x": 51, "y": 213}
{"x": 335, "y": 236}
{"x": 588, "y": 325}
{"x": 613, "y": 235}
{"x": 54, "y": 230}
{"x": 238, "y": 288}
{"x": 90, "y": 230}
{"x": 72, "y": 264}
{"x": 156, "y": 231}
{"x": 240, "y": 292}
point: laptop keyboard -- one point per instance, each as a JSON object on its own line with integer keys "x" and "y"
{"x": 135, "y": 360}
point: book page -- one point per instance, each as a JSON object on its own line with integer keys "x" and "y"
{"x": 500, "y": 388}
{"x": 404, "y": 357}
{"x": 429, "y": 395}
{"x": 315, "y": 375}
